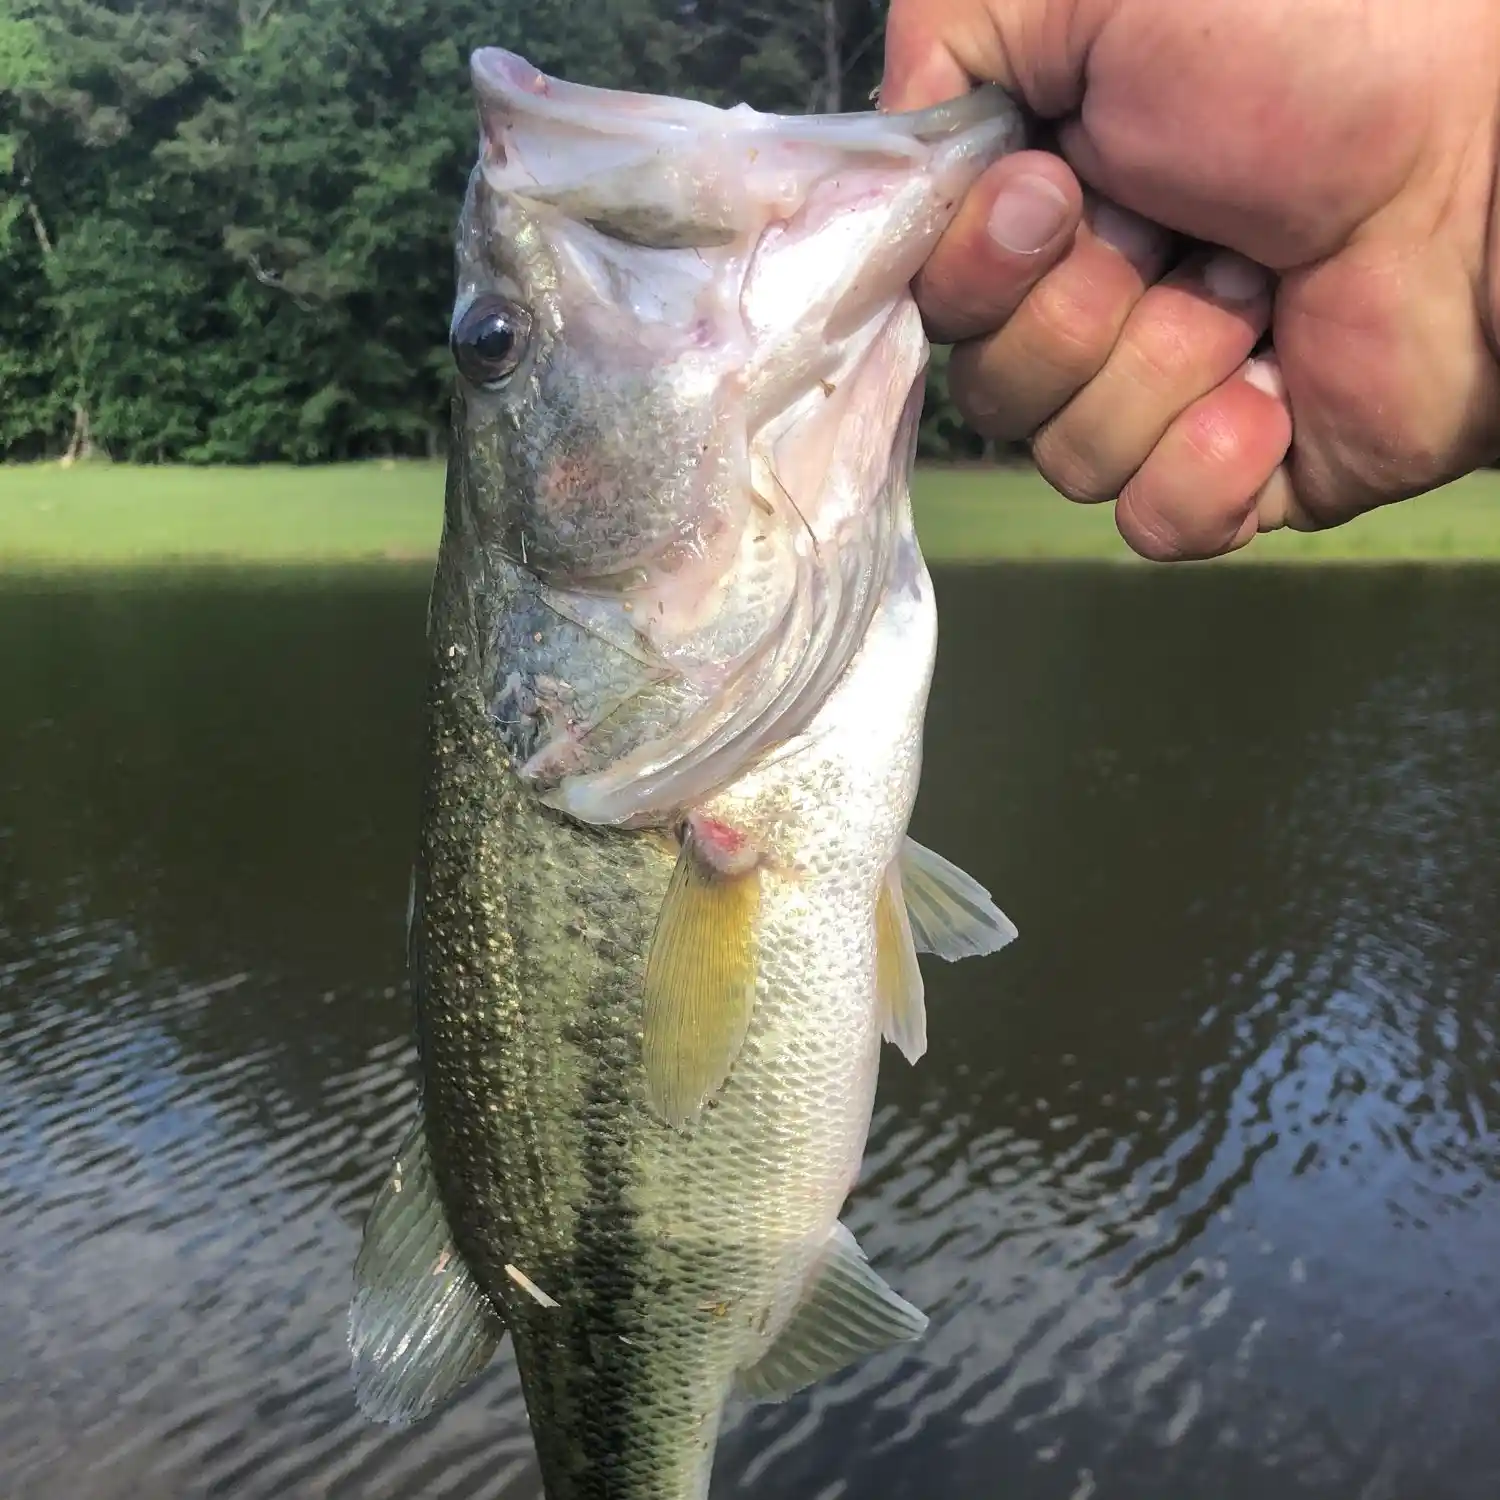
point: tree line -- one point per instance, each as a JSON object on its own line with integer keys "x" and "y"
{"x": 226, "y": 225}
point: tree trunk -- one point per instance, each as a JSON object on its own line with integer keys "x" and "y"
{"x": 80, "y": 445}
{"x": 833, "y": 69}
{"x": 38, "y": 225}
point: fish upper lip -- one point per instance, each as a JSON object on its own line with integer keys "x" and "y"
{"x": 525, "y": 90}
{"x": 506, "y": 79}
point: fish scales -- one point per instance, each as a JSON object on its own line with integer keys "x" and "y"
{"x": 664, "y": 906}
{"x": 529, "y": 1006}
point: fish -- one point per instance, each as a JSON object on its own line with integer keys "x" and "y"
{"x": 665, "y": 910}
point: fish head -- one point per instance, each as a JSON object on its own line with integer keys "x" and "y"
{"x": 689, "y": 374}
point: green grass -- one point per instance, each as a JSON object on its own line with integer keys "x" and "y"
{"x": 975, "y": 515}
{"x": 115, "y": 516}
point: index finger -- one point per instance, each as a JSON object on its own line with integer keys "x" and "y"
{"x": 1016, "y": 223}
{"x": 1034, "y": 49}
{"x": 920, "y": 67}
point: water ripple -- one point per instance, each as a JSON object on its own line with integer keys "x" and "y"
{"x": 1198, "y": 1182}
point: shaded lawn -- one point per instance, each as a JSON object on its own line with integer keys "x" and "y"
{"x": 101, "y": 515}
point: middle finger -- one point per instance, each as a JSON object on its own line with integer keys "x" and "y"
{"x": 1186, "y": 335}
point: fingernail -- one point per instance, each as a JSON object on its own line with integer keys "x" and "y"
{"x": 1232, "y": 278}
{"x": 1027, "y": 215}
{"x": 1137, "y": 239}
{"x": 1264, "y": 373}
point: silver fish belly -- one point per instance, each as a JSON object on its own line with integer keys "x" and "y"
{"x": 665, "y": 907}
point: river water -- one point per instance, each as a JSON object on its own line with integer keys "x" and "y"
{"x": 1198, "y": 1180}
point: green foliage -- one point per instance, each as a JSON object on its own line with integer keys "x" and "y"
{"x": 225, "y": 225}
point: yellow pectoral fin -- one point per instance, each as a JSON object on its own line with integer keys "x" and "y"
{"x": 700, "y": 985}
{"x": 898, "y": 977}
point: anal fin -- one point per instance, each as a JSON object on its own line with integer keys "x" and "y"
{"x": 847, "y": 1314}
{"x": 898, "y": 976}
{"x": 420, "y": 1326}
{"x": 700, "y": 982}
{"x": 951, "y": 914}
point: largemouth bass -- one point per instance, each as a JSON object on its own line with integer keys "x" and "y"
{"x": 665, "y": 907}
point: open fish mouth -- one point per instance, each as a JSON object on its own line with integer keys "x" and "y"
{"x": 666, "y": 172}
{"x": 732, "y": 288}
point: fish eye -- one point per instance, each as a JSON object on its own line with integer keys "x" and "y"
{"x": 489, "y": 341}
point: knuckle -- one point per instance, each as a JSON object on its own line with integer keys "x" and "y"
{"x": 1147, "y": 534}
{"x": 1163, "y": 520}
{"x": 1164, "y": 532}
{"x": 1159, "y": 353}
{"x": 944, "y": 318}
{"x": 953, "y": 301}
{"x": 978, "y": 393}
{"x": 1066, "y": 331}
{"x": 1070, "y": 468}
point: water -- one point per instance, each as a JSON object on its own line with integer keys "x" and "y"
{"x": 1198, "y": 1181}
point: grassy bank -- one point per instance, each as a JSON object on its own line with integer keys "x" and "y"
{"x": 103, "y": 515}
{"x": 115, "y": 516}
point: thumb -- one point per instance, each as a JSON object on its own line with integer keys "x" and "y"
{"x": 1034, "y": 49}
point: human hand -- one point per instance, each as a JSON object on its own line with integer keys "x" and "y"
{"x": 1350, "y": 146}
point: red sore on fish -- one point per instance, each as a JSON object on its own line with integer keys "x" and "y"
{"x": 723, "y": 848}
